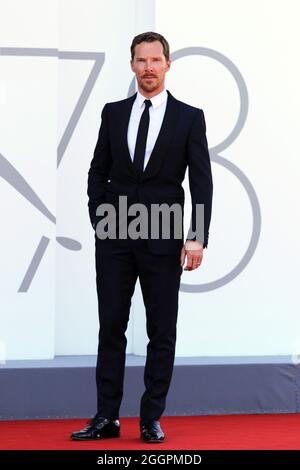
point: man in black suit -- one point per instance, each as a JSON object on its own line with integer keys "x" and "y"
{"x": 144, "y": 146}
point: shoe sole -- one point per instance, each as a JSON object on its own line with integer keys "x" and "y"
{"x": 152, "y": 441}
{"x": 93, "y": 438}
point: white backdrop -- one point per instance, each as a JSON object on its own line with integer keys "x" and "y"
{"x": 235, "y": 60}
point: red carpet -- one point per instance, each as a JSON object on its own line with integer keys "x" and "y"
{"x": 269, "y": 431}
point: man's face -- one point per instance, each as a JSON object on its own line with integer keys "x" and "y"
{"x": 150, "y": 66}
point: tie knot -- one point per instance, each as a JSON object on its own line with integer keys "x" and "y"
{"x": 147, "y": 103}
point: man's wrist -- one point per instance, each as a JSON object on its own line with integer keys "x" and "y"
{"x": 193, "y": 244}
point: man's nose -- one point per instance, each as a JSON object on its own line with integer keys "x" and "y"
{"x": 148, "y": 66}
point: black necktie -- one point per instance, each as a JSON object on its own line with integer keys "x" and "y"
{"x": 141, "y": 139}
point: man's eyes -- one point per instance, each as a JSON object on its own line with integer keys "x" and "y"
{"x": 154, "y": 60}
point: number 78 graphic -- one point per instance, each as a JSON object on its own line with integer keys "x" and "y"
{"x": 12, "y": 176}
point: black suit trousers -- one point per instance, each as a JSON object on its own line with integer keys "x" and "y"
{"x": 118, "y": 265}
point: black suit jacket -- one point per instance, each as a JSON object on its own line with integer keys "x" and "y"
{"x": 181, "y": 143}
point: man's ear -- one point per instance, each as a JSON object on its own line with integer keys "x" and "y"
{"x": 131, "y": 65}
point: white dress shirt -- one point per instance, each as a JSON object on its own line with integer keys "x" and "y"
{"x": 156, "y": 113}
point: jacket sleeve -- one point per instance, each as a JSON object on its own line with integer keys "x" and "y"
{"x": 200, "y": 176}
{"x": 99, "y": 169}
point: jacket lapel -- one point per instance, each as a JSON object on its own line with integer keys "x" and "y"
{"x": 165, "y": 135}
{"x": 122, "y": 121}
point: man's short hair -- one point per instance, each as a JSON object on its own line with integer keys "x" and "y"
{"x": 150, "y": 36}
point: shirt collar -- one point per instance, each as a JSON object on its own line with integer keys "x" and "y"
{"x": 156, "y": 100}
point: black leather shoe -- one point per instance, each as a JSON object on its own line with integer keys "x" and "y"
{"x": 151, "y": 431}
{"x": 98, "y": 428}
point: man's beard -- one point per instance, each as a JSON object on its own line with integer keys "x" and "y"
{"x": 149, "y": 86}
